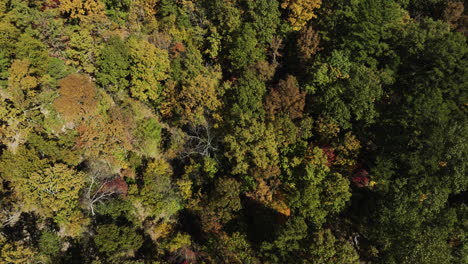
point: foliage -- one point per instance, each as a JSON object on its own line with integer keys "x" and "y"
{"x": 233, "y": 131}
{"x": 301, "y": 11}
{"x": 109, "y": 241}
{"x": 113, "y": 65}
{"x": 149, "y": 66}
{"x": 17, "y": 253}
{"x": 77, "y": 97}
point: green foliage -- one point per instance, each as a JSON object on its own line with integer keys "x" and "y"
{"x": 109, "y": 241}
{"x": 49, "y": 244}
{"x": 34, "y": 50}
{"x": 157, "y": 197}
{"x": 246, "y": 97}
{"x": 345, "y": 91}
{"x": 148, "y": 136}
{"x": 318, "y": 192}
{"x": 244, "y": 50}
{"x": 233, "y": 131}
{"x": 326, "y": 248}
{"x": 113, "y": 65}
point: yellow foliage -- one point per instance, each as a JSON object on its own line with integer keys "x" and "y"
{"x": 200, "y": 95}
{"x": 74, "y": 224}
{"x": 142, "y": 11}
{"x": 348, "y": 151}
{"x": 179, "y": 241}
{"x": 185, "y": 187}
{"x": 301, "y": 11}
{"x": 422, "y": 197}
{"x": 158, "y": 167}
{"x": 16, "y": 253}
{"x": 160, "y": 231}
{"x": 20, "y": 81}
{"x": 81, "y": 8}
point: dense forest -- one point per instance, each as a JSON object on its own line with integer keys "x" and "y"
{"x": 233, "y": 131}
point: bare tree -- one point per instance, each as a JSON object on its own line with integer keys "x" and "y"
{"x": 96, "y": 194}
{"x": 200, "y": 141}
{"x": 103, "y": 185}
{"x": 275, "y": 45}
{"x": 9, "y": 216}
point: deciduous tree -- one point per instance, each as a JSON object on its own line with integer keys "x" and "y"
{"x": 77, "y": 97}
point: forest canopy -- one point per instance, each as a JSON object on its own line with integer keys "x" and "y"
{"x": 233, "y": 131}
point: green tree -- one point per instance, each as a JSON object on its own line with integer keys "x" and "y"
{"x": 109, "y": 241}
{"x": 113, "y": 65}
{"x": 345, "y": 91}
{"x": 318, "y": 191}
{"x": 148, "y": 136}
{"x": 49, "y": 244}
{"x": 425, "y": 156}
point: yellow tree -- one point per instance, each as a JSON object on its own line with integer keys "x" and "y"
{"x": 52, "y": 191}
{"x": 149, "y": 65}
{"x": 301, "y": 11}
{"x": 200, "y": 96}
{"x": 21, "y": 82}
{"x": 81, "y": 8}
{"x": 16, "y": 253}
{"x": 14, "y": 112}
{"x": 142, "y": 11}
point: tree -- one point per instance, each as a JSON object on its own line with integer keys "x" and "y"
{"x": 81, "y": 8}
{"x": 107, "y": 136}
{"x": 77, "y": 98}
{"x": 265, "y": 18}
{"x": 321, "y": 192}
{"x": 301, "y": 11}
{"x": 9, "y": 35}
{"x": 244, "y": 50}
{"x": 286, "y": 99}
{"x": 308, "y": 43}
{"x": 201, "y": 96}
{"x": 252, "y": 150}
{"x": 49, "y": 244}
{"x": 109, "y": 241}
{"x": 156, "y": 198}
{"x": 149, "y": 66}
{"x": 345, "y": 91}
{"x": 17, "y": 253}
{"x": 32, "y": 49}
{"x": 221, "y": 205}
{"x": 113, "y": 65}
{"x": 148, "y": 136}
{"x": 48, "y": 190}
{"x": 245, "y": 98}
{"x": 287, "y": 243}
{"x": 326, "y": 248}
{"x": 53, "y": 191}
{"x": 21, "y": 82}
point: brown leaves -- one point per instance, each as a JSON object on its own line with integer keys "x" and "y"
{"x": 455, "y": 17}
{"x": 107, "y": 137}
{"x": 286, "y": 98}
{"x": 308, "y": 43}
{"x": 77, "y": 97}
